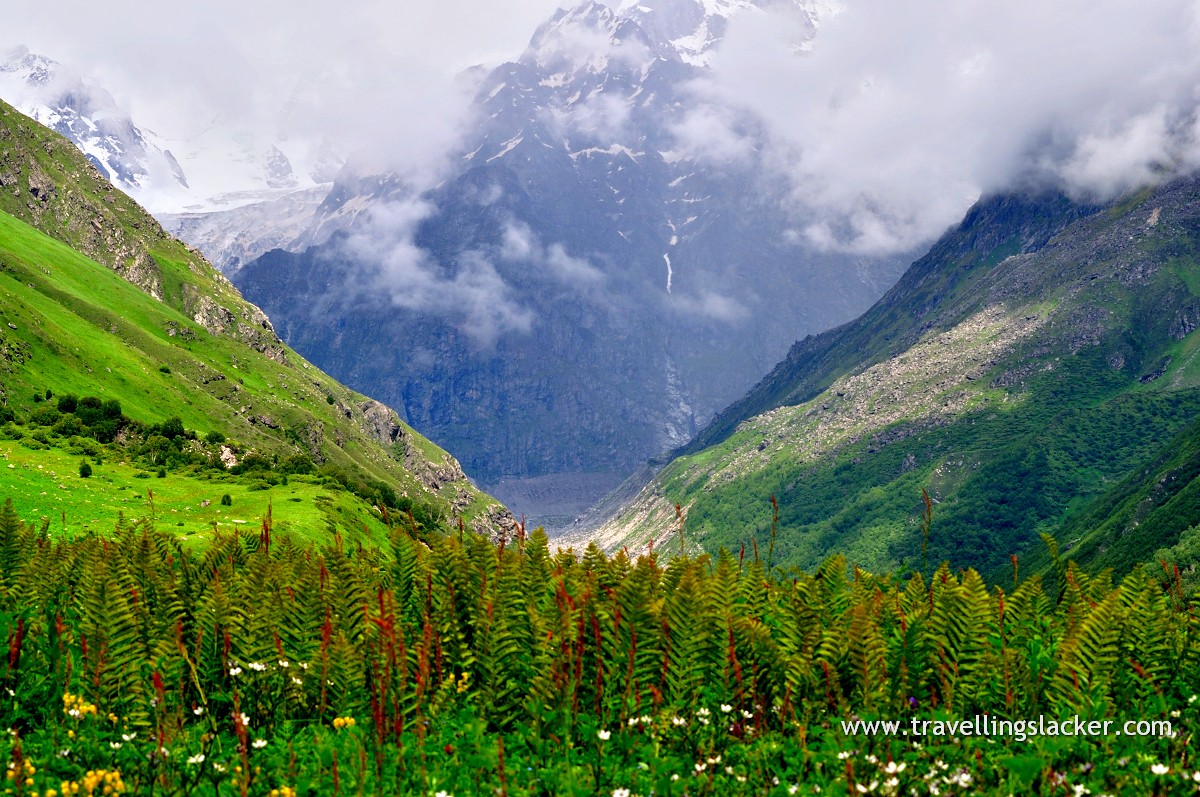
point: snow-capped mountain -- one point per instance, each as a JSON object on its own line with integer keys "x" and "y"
{"x": 609, "y": 264}
{"x": 215, "y": 167}
{"x": 126, "y": 154}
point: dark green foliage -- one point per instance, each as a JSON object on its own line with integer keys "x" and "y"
{"x": 171, "y": 428}
{"x": 297, "y": 463}
{"x": 214, "y": 438}
{"x": 45, "y": 415}
{"x": 226, "y": 500}
{"x": 435, "y": 646}
{"x": 85, "y": 470}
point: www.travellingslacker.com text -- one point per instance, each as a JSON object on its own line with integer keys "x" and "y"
{"x": 1020, "y": 729}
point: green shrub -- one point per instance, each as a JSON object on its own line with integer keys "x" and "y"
{"x": 68, "y": 426}
{"x": 85, "y": 470}
{"x": 44, "y": 416}
{"x": 171, "y": 428}
{"x": 214, "y": 438}
{"x": 226, "y": 500}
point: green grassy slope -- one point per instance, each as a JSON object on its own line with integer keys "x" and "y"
{"x": 147, "y": 322}
{"x": 1035, "y": 359}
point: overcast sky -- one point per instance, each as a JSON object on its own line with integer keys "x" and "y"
{"x": 375, "y": 72}
{"x": 901, "y": 113}
{"x": 889, "y": 125}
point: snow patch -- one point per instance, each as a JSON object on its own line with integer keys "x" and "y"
{"x": 614, "y": 149}
{"x": 508, "y": 147}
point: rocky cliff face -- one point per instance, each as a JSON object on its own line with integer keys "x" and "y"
{"x": 585, "y": 290}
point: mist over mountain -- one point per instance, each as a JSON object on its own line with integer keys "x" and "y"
{"x": 212, "y": 170}
{"x": 583, "y": 292}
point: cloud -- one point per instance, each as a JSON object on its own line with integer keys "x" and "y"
{"x": 718, "y": 307}
{"x": 379, "y": 77}
{"x": 895, "y": 117}
{"x": 469, "y": 292}
{"x": 520, "y": 244}
{"x": 713, "y": 133}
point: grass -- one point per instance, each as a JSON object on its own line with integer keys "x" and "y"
{"x": 46, "y": 485}
{"x": 71, "y": 323}
{"x": 81, "y": 329}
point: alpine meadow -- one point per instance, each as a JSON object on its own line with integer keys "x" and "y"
{"x": 713, "y": 397}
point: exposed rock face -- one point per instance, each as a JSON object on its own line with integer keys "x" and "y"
{"x": 497, "y": 524}
{"x": 380, "y": 422}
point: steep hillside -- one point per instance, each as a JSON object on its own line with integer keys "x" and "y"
{"x": 98, "y": 301}
{"x": 1037, "y": 356}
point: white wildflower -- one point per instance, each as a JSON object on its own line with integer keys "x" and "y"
{"x": 259, "y": 744}
{"x": 196, "y": 759}
{"x": 1159, "y": 769}
{"x": 603, "y": 735}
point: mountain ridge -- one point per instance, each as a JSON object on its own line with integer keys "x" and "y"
{"x": 575, "y": 221}
{"x": 1030, "y": 361}
{"x": 100, "y": 296}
